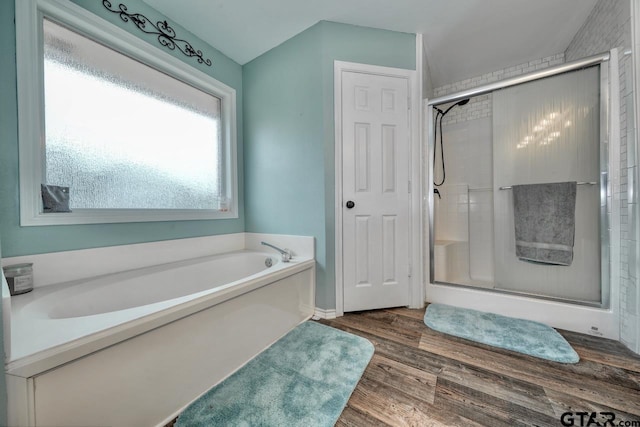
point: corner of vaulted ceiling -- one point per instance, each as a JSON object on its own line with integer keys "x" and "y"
{"x": 311, "y": 27}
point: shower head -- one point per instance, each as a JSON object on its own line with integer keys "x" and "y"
{"x": 463, "y": 102}
{"x": 440, "y": 116}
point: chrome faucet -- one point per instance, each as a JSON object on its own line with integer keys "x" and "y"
{"x": 286, "y": 253}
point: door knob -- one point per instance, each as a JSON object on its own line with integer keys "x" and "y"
{"x": 350, "y": 204}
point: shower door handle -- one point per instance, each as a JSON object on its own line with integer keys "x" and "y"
{"x": 350, "y": 204}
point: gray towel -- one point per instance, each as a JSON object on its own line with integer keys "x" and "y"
{"x": 544, "y": 217}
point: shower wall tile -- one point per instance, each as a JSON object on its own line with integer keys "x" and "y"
{"x": 632, "y": 189}
{"x": 451, "y": 213}
{"x": 481, "y": 106}
{"x": 630, "y": 303}
{"x": 481, "y": 235}
{"x": 468, "y": 191}
{"x": 629, "y": 330}
{"x": 607, "y": 27}
{"x": 632, "y": 295}
{"x": 630, "y": 124}
{"x": 633, "y": 217}
{"x": 632, "y": 266}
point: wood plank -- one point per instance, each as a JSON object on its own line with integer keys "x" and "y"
{"x": 373, "y": 399}
{"x": 351, "y": 417}
{"x": 546, "y": 374}
{"x": 414, "y": 382}
{"x": 375, "y": 327}
{"x": 562, "y": 402}
{"x": 397, "y": 321}
{"x": 600, "y": 344}
{"x": 495, "y": 384}
{"x": 611, "y": 359}
{"x": 500, "y": 387}
{"x": 397, "y": 409}
{"x": 486, "y": 409}
{"x": 408, "y": 312}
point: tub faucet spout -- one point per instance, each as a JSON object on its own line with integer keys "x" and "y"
{"x": 286, "y": 253}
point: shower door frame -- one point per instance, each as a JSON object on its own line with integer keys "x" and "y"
{"x": 609, "y": 176}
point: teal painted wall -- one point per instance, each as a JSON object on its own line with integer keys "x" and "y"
{"x": 289, "y": 132}
{"x": 18, "y": 240}
{"x": 284, "y": 173}
{"x": 7, "y": 133}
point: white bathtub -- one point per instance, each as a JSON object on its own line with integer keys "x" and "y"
{"x": 135, "y": 347}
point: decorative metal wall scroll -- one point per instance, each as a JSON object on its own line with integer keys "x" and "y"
{"x": 166, "y": 34}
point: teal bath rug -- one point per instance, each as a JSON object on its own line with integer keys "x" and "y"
{"x": 304, "y": 379}
{"x": 523, "y": 336}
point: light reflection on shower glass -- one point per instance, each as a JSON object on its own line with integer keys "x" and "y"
{"x": 547, "y": 130}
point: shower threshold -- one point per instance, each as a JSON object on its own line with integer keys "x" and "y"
{"x": 492, "y": 287}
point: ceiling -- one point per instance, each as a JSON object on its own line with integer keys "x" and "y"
{"x": 463, "y": 38}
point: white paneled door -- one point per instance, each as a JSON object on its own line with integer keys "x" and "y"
{"x": 375, "y": 188}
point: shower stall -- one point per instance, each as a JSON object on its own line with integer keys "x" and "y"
{"x": 550, "y": 126}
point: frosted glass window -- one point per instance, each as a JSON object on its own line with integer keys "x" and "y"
{"x": 123, "y": 135}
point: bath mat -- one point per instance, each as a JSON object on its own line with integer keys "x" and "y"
{"x": 523, "y": 336}
{"x": 304, "y": 379}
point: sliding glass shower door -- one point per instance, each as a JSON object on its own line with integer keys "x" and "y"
{"x": 547, "y": 131}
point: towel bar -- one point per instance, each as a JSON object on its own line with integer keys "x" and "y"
{"x": 579, "y": 183}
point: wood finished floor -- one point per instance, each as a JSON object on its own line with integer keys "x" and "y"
{"x": 420, "y": 377}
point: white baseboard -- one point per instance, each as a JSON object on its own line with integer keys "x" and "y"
{"x": 324, "y": 314}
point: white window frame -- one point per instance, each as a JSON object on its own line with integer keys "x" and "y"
{"x": 31, "y": 134}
